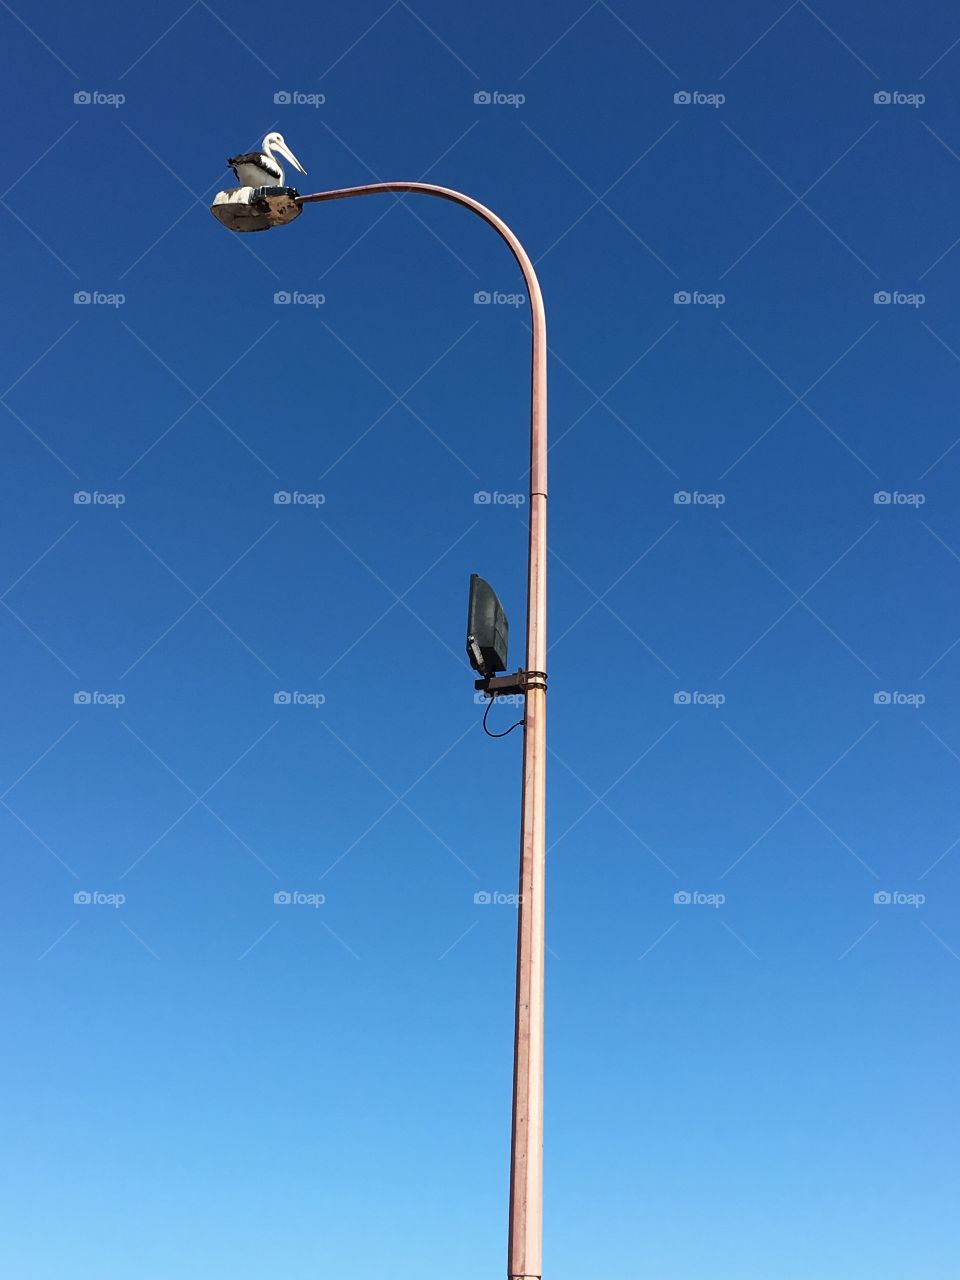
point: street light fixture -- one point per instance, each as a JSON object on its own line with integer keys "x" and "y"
{"x": 259, "y": 209}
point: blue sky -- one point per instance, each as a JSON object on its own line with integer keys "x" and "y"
{"x": 754, "y": 692}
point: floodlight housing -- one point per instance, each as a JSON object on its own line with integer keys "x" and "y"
{"x": 487, "y": 629}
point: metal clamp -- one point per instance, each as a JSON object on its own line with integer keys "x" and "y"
{"x": 519, "y": 682}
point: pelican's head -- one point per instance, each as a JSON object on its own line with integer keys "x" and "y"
{"x": 274, "y": 142}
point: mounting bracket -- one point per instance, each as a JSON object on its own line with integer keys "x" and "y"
{"x": 519, "y": 682}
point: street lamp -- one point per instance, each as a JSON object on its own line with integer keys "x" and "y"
{"x": 256, "y": 209}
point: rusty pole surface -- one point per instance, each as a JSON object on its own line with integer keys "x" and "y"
{"x": 526, "y": 1150}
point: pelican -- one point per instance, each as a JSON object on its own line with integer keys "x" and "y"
{"x": 262, "y": 168}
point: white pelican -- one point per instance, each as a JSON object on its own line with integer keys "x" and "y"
{"x": 261, "y": 168}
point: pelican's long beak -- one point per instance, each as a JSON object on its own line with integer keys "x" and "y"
{"x": 285, "y": 151}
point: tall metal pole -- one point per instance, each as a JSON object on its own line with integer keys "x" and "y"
{"x": 526, "y": 1148}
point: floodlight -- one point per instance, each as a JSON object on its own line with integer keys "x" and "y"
{"x": 487, "y": 629}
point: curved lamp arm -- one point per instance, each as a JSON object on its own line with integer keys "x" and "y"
{"x": 536, "y": 616}
{"x": 526, "y": 1162}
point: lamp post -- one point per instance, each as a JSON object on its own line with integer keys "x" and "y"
{"x": 279, "y": 205}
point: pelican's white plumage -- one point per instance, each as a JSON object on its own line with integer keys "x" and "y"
{"x": 262, "y": 168}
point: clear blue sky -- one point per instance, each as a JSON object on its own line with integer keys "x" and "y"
{"x": 200, "y": 1082}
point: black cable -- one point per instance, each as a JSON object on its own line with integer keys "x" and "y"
{"x": 506, "y": 731}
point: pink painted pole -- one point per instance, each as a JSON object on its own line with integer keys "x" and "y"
{"x": 526, "y": 1149}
